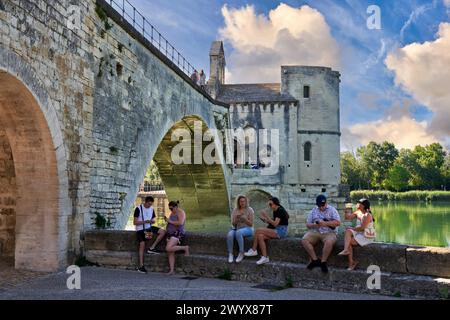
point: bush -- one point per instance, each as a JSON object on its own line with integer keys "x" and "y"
{"x": 415, "y": 195}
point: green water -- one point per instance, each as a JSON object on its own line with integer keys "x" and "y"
{"x": 410, "y": 223}
{"x": 413, "y": 223}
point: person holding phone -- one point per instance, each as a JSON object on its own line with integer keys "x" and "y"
{"x": 242, "y": 222}
{"x": 175, "y": 234}
{"x": 322, "y": 222}
{"x": 277, "y": 229}
{"x": 144, "y": 217}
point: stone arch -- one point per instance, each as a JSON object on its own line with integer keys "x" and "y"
{"x": 201, "y": 188}
{"x": 258, "y": 200}
{"x": 32, "y": 132}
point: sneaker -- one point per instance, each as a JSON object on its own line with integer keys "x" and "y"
{"x": 142, "y": 270}
{"x": 230, "y": 258}
{"x": 324, "y": 267}
{"x": 251, "y": 253}
{"x": 240, "y": 257}
{"x": 152, "y": 251}
{"x": 262, "y": 260}
{"x": 313, "y": 264}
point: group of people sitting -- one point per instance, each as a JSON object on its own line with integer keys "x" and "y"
{"x": 322, "y": 223}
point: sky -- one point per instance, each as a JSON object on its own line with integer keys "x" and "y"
{"x": 395, "y": 80}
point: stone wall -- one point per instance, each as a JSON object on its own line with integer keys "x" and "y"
{"x": 136, "y": 107}
{"x": 7, "y": 198}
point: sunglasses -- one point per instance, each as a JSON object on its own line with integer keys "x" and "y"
{"x": 171, "y": 208}
{"x": 271, "y": 204}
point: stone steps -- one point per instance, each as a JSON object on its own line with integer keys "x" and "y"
{"x": 281, "y": 273}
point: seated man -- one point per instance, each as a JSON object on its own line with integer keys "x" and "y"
{"x": 322, "y": 223}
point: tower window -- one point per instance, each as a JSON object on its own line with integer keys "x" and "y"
{"x": 306, "y": 92}
{"x": 307, "y": 151}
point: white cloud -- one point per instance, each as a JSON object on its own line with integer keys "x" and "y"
{"x": 423, "y": 70}
{"x": 286, "y": 36}
{"x": 404, "y": 132}
{"x": 447, "y": 3}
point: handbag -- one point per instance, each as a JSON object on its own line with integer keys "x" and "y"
{"x": 370, "y": 232}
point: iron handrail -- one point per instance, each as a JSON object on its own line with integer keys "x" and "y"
{"x": 149, "y": 32}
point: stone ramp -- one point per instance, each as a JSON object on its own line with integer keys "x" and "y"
{"x": 405, "y": 271}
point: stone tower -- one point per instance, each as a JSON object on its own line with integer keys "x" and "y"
{"x": 304, "y": 111}
{"x": 217, "y": 68}
{"x": 317, "y": 90}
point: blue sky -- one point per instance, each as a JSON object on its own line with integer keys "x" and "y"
{"x": 368, "y": 90}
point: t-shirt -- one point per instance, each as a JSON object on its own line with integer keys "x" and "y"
{"x": 282, "y": 214}
{"x": 329, "y": 214}
{"x": 248, "y": 212}
{"x": 149, "y": 214}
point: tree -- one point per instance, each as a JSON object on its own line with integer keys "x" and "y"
{"x": 152, "y": 175}
{"x": 446, "y": 172}
{"x": 377, "y": 159}
{"x": 351, "y": 171}
{"x": 397, "y": 178}
{"x": 430, "y": 160}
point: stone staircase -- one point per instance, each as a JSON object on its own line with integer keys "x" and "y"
{"x": 416, "y": 272}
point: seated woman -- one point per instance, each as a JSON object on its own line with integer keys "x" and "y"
{"x": 362, "y": 235}
{"x": 277, "y": 229}
{"x": 242, "y": 221}
{"x": 175, "y": 234}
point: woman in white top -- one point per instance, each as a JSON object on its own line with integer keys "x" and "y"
{"x": 361, "y": 235}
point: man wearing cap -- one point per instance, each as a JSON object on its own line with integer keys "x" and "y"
{"x": 322, "y": 222}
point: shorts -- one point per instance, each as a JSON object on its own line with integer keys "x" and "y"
{"x": 141, "y": 234}
{"x": 282, "y": 231}
{"x": 314, "y": 237}
{"x": 177, "y": 234}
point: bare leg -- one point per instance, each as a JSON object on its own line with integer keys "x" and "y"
{"x": 141, "y": 253}
{"x": 262, "y": 244}
{"x": 161, "y": 234}
{"x": 327, "y": 248}
{"x": 347, "y": 240}
{"x": 309, "y": 249}
{"x": 255, "y": 239}
{"x": 171, "y": 256}
{"x": 263, "y": 235}
{"x": 351, "y": 263}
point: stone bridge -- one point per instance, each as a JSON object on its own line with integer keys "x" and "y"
{"x": 83, "y": 110}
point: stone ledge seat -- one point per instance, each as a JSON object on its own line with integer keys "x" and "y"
{"x": 405, "y": 271}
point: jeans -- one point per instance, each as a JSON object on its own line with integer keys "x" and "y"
{"x": 239, "y": 234}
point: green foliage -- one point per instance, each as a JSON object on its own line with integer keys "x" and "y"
{"x": 382, "y": 166}
{"x": 103, "y": 16}
{"x": 397, "y": 178}
{"x": 415, "y": 195}
{"x": 289, "y": 283}
{"x": 101, "y": 222}
{"x": 226, "y": 274}
{"x": 152, "y": 175}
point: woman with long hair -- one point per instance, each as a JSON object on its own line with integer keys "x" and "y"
{"x": 175, "y": 234}
{"x": 361, "y": 235}
{"x": 242, "y": 222}
{"x": 277, "y": 229}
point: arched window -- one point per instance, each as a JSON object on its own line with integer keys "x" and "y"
{"x": 307, "y": 149}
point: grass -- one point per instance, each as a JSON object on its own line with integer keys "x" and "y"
{"x": 225, "y": 275}
{"x": 414, "y": 195}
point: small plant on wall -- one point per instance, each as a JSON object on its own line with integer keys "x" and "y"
{"x": 101, "y": 222}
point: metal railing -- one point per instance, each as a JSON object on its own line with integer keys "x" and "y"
{"x": 147, "y": 187}
{"x": 149, "y": 32}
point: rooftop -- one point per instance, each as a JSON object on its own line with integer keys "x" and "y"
{"x": 256, "y": 92}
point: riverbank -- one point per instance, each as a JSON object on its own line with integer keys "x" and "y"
{"x": 414, "y": 195}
